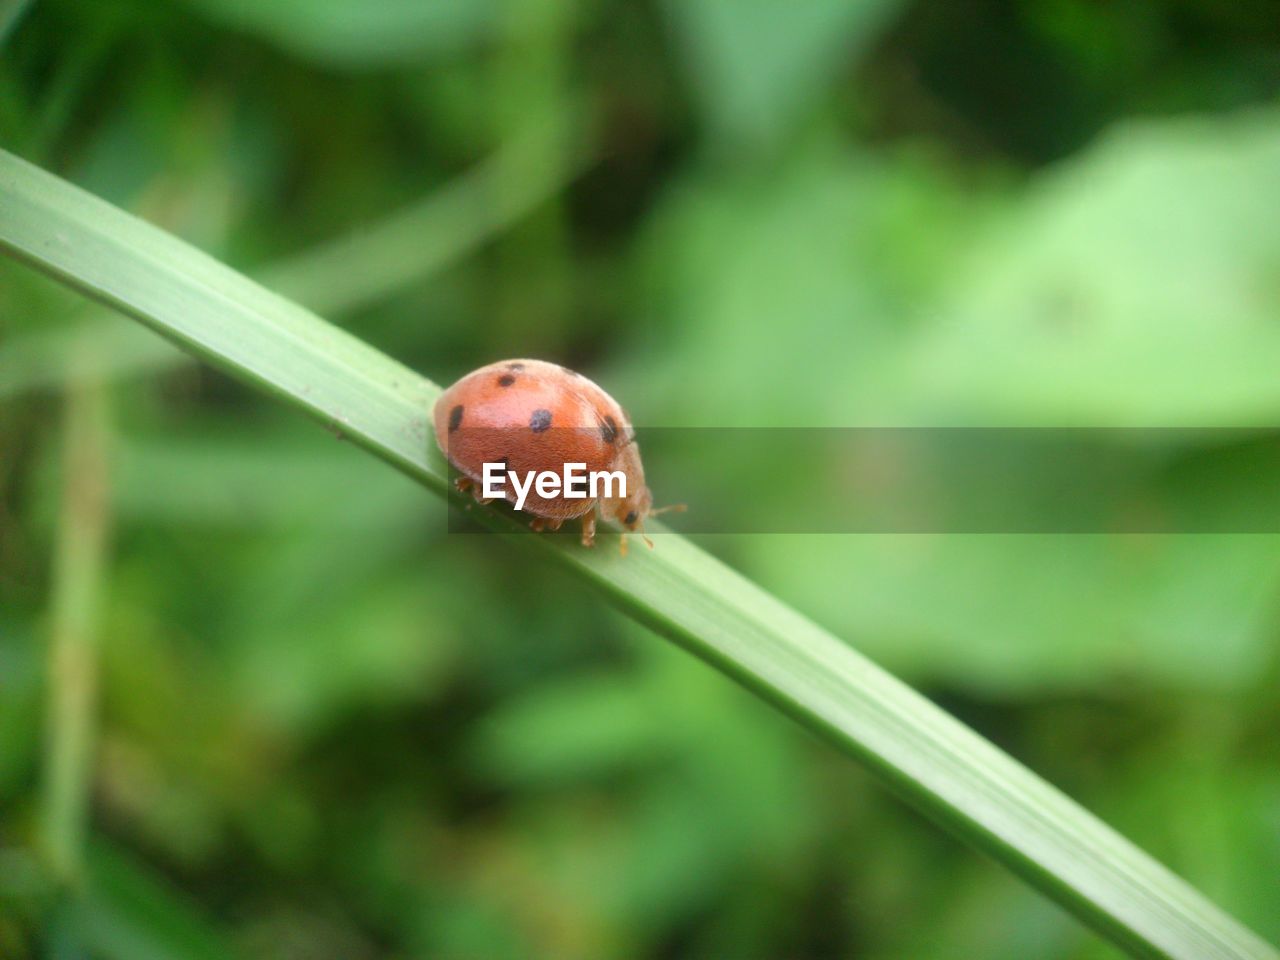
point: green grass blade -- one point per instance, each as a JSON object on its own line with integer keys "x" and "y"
{"x": 933, "y": 761}
{"x": 73, "y": 658}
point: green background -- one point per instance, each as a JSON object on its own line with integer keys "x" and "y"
{"x": 327, "y": 729}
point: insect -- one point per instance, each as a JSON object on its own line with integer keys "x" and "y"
{"x": 529, "y": 416}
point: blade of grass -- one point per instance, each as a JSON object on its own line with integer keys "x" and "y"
{"x": 73, "y": 668}
{"x": 932, "y": 760}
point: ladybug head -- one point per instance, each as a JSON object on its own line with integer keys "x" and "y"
{"x": 631, "y": 509}
{"x": 632, "y": 513}
{"x": 634, "y": 509}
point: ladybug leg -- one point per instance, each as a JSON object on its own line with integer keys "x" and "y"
{"x": 550, "y": 524}
{"x": 463, "y": 484}
{"x": 589, "y": 529}
{"x": 622, "y": 545}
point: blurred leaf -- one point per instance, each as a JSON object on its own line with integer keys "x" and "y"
{"x": 1014, "y": 614}
{"x": 129, "y": 913}
{"x": 423, "y": 238}
{"x": 466, "y": 923}
{"x": 1136, "y": 285}
{"x": 369, "y": 644}
{"x": 806, "y": 277}
{"x": 21, "y": 677}
{"x": 755, "y": 64}
{"x": 11, "y": 12}
{"x": 717, "y": 791}
{"x": 768, "y": 274}
{"x": 369, "y": 34}
{"x": 582, "y": 727}
{"x": 38, "y": 361}
{"x": 284, "y": 482}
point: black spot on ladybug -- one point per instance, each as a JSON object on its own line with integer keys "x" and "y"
{"x": 630, "y": 518}
{"x": 506, "y": 380}
{"x": 455, "y": 418}
{"x": 609, "y": 429}
{"x": 515, "y": 366}
{"x": 540, "y": 420}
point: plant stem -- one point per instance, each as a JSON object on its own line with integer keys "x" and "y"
{"x": 73, "y": 650}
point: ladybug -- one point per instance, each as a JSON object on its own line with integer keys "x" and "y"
{"x": 528, "y": 417}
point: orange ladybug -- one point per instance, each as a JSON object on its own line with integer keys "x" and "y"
{"x": 517, "y": 420}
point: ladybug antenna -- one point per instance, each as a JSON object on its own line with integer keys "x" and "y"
{"x": 670, "y": 508}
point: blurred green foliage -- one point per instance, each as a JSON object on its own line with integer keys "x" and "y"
{"x": 327, "y": 730}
